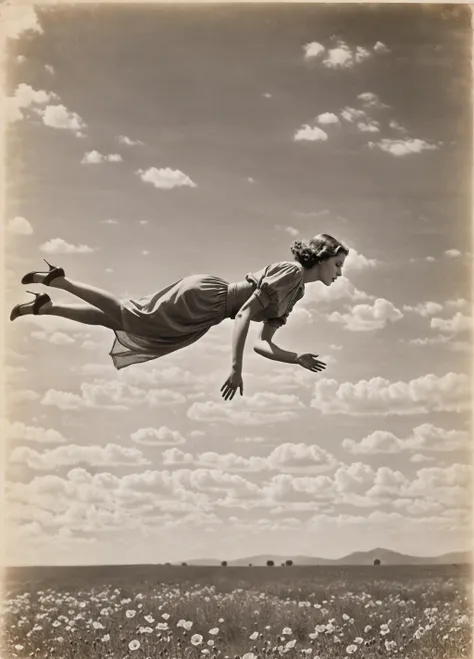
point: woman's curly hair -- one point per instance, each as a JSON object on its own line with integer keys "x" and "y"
{"x": 318, "y": 249}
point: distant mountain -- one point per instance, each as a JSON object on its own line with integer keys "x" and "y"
{"x": 385, "y": 556}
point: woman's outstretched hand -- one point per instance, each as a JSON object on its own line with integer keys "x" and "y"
{"x": 310, "y": 361}
{"x": 230, "y": 386}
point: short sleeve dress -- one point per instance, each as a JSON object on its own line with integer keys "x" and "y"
{"x": 180, "y": 314}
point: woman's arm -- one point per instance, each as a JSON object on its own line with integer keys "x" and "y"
{"x": 267, "y": 348}
{"x": 241, "y": 328}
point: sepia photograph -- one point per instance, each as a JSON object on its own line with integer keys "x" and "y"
{"x": 237, "y": 330}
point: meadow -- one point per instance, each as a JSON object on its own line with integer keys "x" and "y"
{"x": 181, "y": 612}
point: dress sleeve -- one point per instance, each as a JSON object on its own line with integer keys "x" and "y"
{"x": 279, "y": 281}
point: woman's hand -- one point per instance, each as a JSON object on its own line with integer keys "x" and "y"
{"x": 230, "y": 386}
{"x": 310, "y": 361}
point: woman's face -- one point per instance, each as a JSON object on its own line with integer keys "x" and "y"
{"x": 331, "y": 268}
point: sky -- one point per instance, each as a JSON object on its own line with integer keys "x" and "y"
{"x": 146, "y": 143}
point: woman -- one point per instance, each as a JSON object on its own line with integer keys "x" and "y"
{"x": 180, "y": 314}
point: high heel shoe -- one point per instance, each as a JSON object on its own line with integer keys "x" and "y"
{"x": 40, "y": 300}
{"x": 52, "y": 273}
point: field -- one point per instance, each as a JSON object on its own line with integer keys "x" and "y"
{"x": 179, "y": 612}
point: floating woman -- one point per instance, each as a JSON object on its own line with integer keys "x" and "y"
{"x": 182, "y": 313}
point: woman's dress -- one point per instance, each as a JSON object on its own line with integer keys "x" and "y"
{"x": 182, "y": 313}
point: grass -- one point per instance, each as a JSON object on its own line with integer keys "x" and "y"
{"x": 181, "y": 612}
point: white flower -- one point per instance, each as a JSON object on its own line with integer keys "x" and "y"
{"x": 150, "y": 619}
{"x": 98, "y": 625}
{"x": 351, "y": 648}
{"x": 196, "y": 639}
{"x": 221, "y": 620}
{"x": 287, "y": 630}
{"x": 165, "y": 616}
{"x": 249, "y": 655}
{"x": 358, "y": 640}
{"x": 134, "y": 645}
{"x": 367, "y": 629}
{"x": 214, "y": 631}
{"x": 130, "y": 613}
{"x": 345, "y": 616}
{"x": 253, "y": 636}
{"x": 106, "y": 638}
{"x": 290, "y": 644}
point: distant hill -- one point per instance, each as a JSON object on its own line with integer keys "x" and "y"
{"x": 386, "y": 557}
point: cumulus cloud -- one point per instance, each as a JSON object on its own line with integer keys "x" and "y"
{"x": 400, "y": 147}
{"x": 380, "y": 397}
{"x": 355, "y": 261}
{"x": 24, "y": 97}
{"x": 60, "y": 246}
{"x": 381, "y": 47}
{"x": 342, "y": 289}
{"x": 19, "y": 226}
{"x": 18, "y": 19}
{"x": 111, "y": 395}
{"x": 165, "y": 178}
{"x": 452, "y": 253}
{"x": 19, "y": 431}
{"x": 161, "y": 436}
{"x": 370, "y": 126}
{"x": 458, "y": 323}
{"x": 371, "y": 100}
{"x": 313, "y": 50}
{"x": 311, "y": 134}
{"x": 55, "y": 338}
{"x": 424, "y": 309}
{"x": 367, "y": 317}
{"x": 352, "y": 114}
{"x": 123, "y": 139}
{"x": 95, "y": 158}
{"x": 73, "y": 454}
{"x": 288, "y": 229}
{"x": 286, "y": 457}
{"x": 327, "y": 118}
{"x": 425, "y": 437}
{"x": 343, "y": 57}
{"x": 59, "y": 117}
{"x": 259, "y": 409}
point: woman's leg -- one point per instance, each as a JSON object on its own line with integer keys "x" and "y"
{"x": 103, "y": 300}
{"x": 81, "y": 313}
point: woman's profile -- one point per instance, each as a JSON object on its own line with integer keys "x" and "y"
{"x": 184, "y": 311}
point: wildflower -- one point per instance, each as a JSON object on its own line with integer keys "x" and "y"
{"x": 221, "y": 620}
{"x": 105, "y": 638}
{"x": 98, "y": 625}
{"x": 351, "y": 648}
{"x": 134, "y": 645}
{"x": 287, "y": 631}
{"x": 367, "y": 629}
{"x": 345, "y": 616}
{"x": 196, "y": 639}
{"x": 149, "y": 619}
{"x": 290, "y": 644}
{"x": 214, "y": 631}
{"x": 19, "y": 647}
{"x": 165, "y": 616}
{"x": 211, "y": 643}
{"x": 358, "y": 640}
{"x": 249, "y": 655}
{"x": 253, "y": 636}
{"x": 130, "y": 613}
